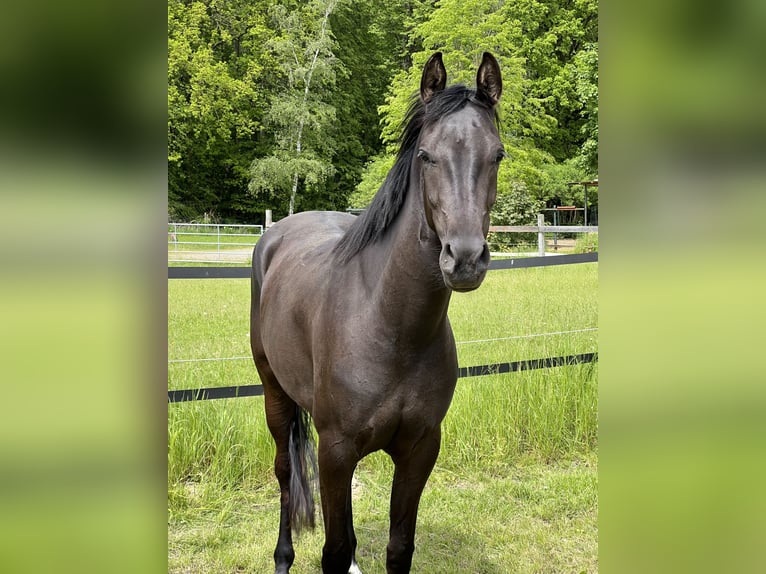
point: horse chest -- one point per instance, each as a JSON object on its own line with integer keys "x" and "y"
{"x": 387, "y": 388}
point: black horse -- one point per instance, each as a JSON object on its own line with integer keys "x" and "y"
{"x": 349, "y": 318}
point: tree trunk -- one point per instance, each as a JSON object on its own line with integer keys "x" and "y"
{"x": 328, "y": 10}
{"x": 293, "y": 193}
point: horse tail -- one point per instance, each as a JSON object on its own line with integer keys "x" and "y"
{"x": 303, "y": 472}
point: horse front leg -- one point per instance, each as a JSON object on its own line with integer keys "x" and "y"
{"x": 354, "y": 568}
{"x": 411, "y": 473}
{"x": 337, "y": 461}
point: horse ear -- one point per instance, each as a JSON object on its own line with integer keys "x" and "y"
{"x": 489, "y": 82}
{"x": 434, "y": 77}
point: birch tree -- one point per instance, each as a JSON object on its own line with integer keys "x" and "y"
{"x": 300, "y": 117}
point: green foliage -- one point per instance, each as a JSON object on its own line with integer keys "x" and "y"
{"x": 275, "y": 173}
{"x": 586, "y": 64}
{"x": 515, "y": 207}
{"x": 237, "y": 104}
{"x": 367, "y": 34}
{"x": 557, "y": 176}
{"x": 372, "y": 178}
{"x": 549, "y": 36}
{"x": 549, "y": 106}
{"x": 300, "y": 119}
{"x": 216, "y": 70}
{"x": 586, "y": 243}
{"x": 462, "y": 30}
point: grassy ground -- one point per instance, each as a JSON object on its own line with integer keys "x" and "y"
{"x": 522, "y": 518}
{"x": 199, "y": 241}
{"x": 514, "y": 489}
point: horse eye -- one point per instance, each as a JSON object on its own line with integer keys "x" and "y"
{"x": 425, "y": 158}
{"x": 500, "y": 156}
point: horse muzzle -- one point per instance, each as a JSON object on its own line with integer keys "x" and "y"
{"x": 464, "y": 263}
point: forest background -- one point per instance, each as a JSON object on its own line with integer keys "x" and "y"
{"x": 296, "y": 105}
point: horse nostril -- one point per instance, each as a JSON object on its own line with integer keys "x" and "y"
{"x": 464, "y": 255}
{"x": 484, "y": 258}
{"x": 448, "y": 261}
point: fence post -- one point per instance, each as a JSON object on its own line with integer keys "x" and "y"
{"x": 268, "y": 219}
{"x": 540, "y": 235}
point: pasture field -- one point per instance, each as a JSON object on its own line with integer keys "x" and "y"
{"x": 192, "y": 241}
{"x": 514, "y": 489}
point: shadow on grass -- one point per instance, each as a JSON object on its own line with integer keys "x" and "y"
{"x": 451, "y": 549}
{"x": 439, "y": 547}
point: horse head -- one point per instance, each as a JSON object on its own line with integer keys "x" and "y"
{"x": 458, "y": 155}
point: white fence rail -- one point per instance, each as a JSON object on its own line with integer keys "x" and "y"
{"x": 541, "y": 229}
{"x": 211, "y": 243}
{"x": 229, "y": 243}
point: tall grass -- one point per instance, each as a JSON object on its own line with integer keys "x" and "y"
{"x": 546, "y": 414}
{"x": 586, "y": 243}
{"x": 225, "y": 442}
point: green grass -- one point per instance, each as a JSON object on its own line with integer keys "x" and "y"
{"x": 211, "y": 249}
{"x": 518, "y": 451}
{"x": 523, "y": 518}
{"x": 206, "y": 242}
{"x": 236, "y": 262}
{"x": 586, "y": 243}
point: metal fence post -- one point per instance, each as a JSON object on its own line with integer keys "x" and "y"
{"x": 540, "y": 235}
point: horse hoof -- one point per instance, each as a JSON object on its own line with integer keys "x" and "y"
{"x": 354, "y": 568}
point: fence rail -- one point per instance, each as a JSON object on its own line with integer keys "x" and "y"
{"x": 211, "y": 242}
{"x": 510, "y": 263}
{"x": 544, "y": 228}
{"x": 211, "y": 393}
{"x": 541, "y": 229}
{"x": 233, "y": 243}
{"x": 184, "y": 395}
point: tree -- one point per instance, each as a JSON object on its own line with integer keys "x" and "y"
{"x": 371, "y": 43}
{"x": 549, "y": 106}
{"x": 586, "y": 74}
{"x": 548, "y": 35}
{"x": 217, "y": 93}
{"x": 299, "y": 116}
{"x": 283, "y": 106}
{"x": 463, "y": 30}
{"x": 515, "y": 207}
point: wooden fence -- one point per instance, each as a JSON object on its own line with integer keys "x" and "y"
{"x": 541, "y": 229}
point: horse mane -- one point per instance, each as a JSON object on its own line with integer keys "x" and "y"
{"x": 373, "y": 223}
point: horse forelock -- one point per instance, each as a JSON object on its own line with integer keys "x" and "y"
{"x": 372, "y": 224}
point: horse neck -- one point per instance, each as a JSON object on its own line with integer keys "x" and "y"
{"x": 410, "y": 287}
